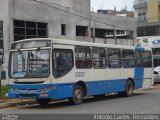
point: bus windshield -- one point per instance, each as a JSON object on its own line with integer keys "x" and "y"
{"x": 29, "y": 64}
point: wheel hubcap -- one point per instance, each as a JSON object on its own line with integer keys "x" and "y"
{"x": 78, "y": 94}
{"x": 130, "y": 89}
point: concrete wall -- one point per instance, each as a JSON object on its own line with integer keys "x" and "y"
{"x": 115, "y": 22}
{"x": 4, "y": 17}
{"x": 31, "y": 11}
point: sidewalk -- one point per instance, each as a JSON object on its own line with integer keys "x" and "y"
{"x": 157, "y": 86}
{"x": 4, "y": 102}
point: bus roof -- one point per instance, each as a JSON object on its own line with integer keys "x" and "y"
{"x": 81, "y": 43}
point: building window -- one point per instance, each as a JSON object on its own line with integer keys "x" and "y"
{"x": 142, "y": 15}
{"x": 29, "y": 29}
{"x": 1, "y": 42}
{"x": 104, "y": 33}
{"x": 81, "y": 31}
{"x": 63, "y": 29}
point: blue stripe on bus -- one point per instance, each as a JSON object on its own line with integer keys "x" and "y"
{"x": 139, "y": 72}
{"x": 66, "y": 90}
{"x": 139, "y": 48}
{"x": 138, "y": 77}
{"x": 105, "y": 87}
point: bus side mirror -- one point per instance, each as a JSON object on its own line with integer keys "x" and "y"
{"x": 2, "y": 75}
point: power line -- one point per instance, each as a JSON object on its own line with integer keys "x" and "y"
{"x": 48, "y": 4}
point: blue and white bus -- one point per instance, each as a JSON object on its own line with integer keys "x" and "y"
{"x": 46, "y": 69}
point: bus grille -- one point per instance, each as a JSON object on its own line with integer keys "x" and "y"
{"x": 27, "y": 90}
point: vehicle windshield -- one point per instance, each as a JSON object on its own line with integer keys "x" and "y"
{"x": 30, "y": 64}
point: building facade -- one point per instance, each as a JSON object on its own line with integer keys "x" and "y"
{"x": 147, "y": 13}
{"x": 62, "y": 19}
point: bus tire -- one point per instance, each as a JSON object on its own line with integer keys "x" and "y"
{"x": 78, "y": 95}
{"x": 129, "y": 87}
{"x": 43, "y": 102}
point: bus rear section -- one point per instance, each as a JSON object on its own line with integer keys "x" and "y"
{"x": 60, "y": 69}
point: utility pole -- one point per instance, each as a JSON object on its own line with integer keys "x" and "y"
{"x": 1, "y": 63}
{"x": 1, "y": 53}
{"x": 0, "y": 79}
{"x": 1, "y": 59}
{"x": 115, "y": 36}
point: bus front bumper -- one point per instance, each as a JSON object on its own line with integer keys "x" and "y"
{"x": 30, "y": 95}
{"x": 30, "y": 91}
{"x": 41, "y": 91}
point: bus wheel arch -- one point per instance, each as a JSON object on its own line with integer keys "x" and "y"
{"x": 131, "y": 79}
{"x": 129, "y": 87}
{"x": 79, "y": 92}
{"x": 83, "y": 85}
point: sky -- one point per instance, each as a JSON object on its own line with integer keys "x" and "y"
{"x": 110, "y": 4}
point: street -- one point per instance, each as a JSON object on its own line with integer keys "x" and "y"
{"x": 143, "y": 101}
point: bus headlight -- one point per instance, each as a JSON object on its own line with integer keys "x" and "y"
{"x": 13, "y": 89}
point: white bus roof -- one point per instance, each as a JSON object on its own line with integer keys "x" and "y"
{"x": 81, "y": 43}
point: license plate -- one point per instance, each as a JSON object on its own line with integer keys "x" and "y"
{"x": 44, "y": 95}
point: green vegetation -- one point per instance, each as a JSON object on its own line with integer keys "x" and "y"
{"x": 4, "y": 90}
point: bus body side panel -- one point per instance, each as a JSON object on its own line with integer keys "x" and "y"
{"x": 138, "y": 77}
{"x": 139, "y": 72}
{"x": 105, "y": 86}
{"x": 148, "y": 77}
{"x": 63, "y": 91}
{"x": 105, "y": 81}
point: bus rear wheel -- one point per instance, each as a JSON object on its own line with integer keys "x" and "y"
{"x": 78, "y": 95}
{"x": 128, "y": 89}
{"x": 43, "y": 102}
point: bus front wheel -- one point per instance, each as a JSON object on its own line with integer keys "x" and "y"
{"x": 43, "y": 101}
{"x": 78, "y": 95}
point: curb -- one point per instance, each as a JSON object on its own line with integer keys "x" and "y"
{"x": 18, "y": 103}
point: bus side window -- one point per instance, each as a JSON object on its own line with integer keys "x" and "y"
{"x": 62, "y": 62}
{"x": 147, "y": 59}
{"x": 114, "y": 58}
{"x": 128, "y": 58}
{"x": 99, "y": 58}
{"x": 138, "y": 59}
{"x": 83, "y": 57}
